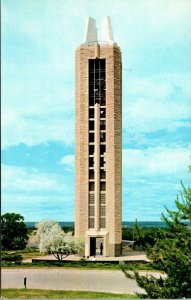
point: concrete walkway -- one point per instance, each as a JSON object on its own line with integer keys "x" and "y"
{"x": 69, "y": 279}
{"x": 129, "y": 256}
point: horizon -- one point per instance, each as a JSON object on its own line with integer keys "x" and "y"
{"x": 136, "y": 221}
{"x": 39, "y": 40}
{"x": 124, "y": 223}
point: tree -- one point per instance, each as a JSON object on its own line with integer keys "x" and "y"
{"x": 13, "y": 232}
{"x": 172, "y": 254}
{"x": 143, "y": 237}
{"x": 50, "y": 238}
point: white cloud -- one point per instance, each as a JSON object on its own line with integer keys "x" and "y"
{"x": 156, "y": 161}
{"x": 35, "y": 194}
{"x": 149, "y": 116}
{"x": 37, "y": 207}
{"x": 36, "y": 130}
{"x": 38, "y": 44}
{"x": 152, "y": 104}
{"x": 151, "y": 180}
{"x": 38, "y": 83}
{"x": 160, "y": 86}
{"x": 148, "y": 105}
{"x": 152, "y": 15}
{"x": 24, "y": 180}
{"x": 68, "y": 161}
{"x": 36, "y": 112}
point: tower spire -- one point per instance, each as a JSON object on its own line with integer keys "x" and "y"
{"x": 90, "y": 34}
{"x": 107, "y": 32}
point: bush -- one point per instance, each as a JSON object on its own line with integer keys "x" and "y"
{"x": 144, "y": 237}
{"x": 13, "y": 232}
{"x": 11, "y": 257}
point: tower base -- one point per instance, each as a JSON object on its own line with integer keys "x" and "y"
{"x": 93, "y": 241}
{"x": 115, "y": 250}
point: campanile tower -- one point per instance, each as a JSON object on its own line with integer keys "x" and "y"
{"x": 98, "y": 137}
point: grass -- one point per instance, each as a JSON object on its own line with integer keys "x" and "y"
{"x": 56, "y": 265}
{"x": 51, "y": 294}
{"x": 27, "y": 253}
{"x": 80, "y": 265}
{"x": 30, "y": 253}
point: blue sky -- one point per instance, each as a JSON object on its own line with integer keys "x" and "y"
{"x": 39, "y": 39}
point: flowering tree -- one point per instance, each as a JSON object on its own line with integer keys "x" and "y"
{"x": 51, "y": 238}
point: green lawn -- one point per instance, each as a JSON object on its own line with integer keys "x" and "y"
{"x": 94, "y": 266}
{"x": 27, "y": 253}
{"x": 30, "y": 253}
{"x": 50, "y": 294}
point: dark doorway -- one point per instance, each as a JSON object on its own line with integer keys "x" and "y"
{"x": 92, "y": 246}
{"x": 99, "y": 246}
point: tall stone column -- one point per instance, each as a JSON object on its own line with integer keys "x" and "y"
{"x": 97, "y": 166}
{"x": 98, "y": 208}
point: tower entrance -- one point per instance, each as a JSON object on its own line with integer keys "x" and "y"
{"x": 92, "y": 246}
{"x": 96, "y": 246}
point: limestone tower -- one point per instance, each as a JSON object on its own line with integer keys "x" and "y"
{"x": 98, "y": 137}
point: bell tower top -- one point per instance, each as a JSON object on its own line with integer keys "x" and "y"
{"x": 90, "y": 34}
